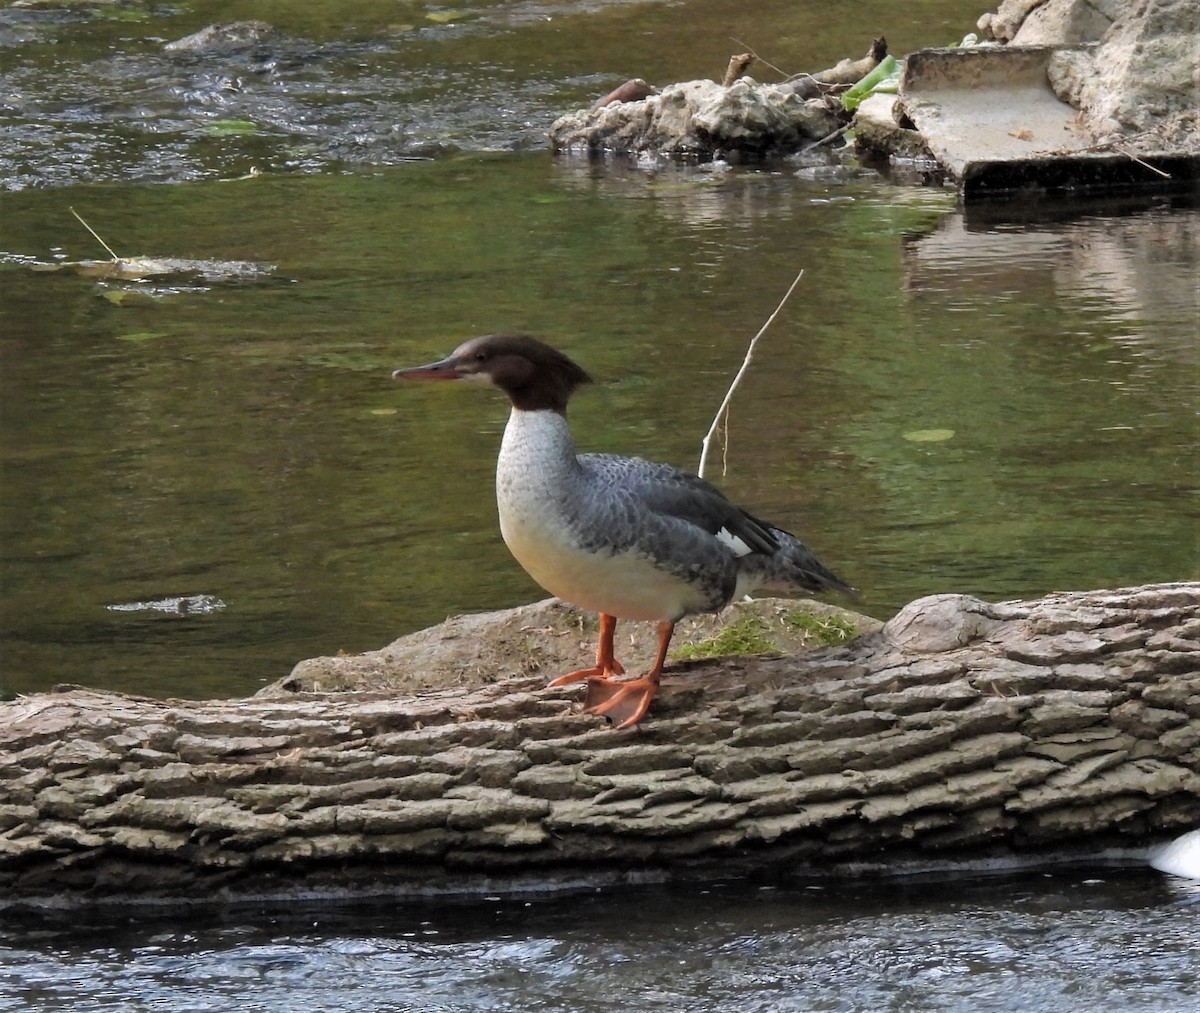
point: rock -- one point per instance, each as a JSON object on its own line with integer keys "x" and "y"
{"x": 226, "y": 37}
{"x": 877, "y": 128}
{"x": 550, "y": 637}
{"x": 702, "y": 119}
{"x": 1003, "y": 25}
{"x": 1143, "y": 78}
{"x": 1062, "y": 23}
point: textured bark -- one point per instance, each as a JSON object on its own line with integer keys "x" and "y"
{"x": 962, "y": 729}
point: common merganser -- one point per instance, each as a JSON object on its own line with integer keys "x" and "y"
{"x": 620, "y": 536}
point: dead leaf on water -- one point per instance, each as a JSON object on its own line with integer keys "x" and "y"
{"x": 126, "y": 269}
{"x": 929, "y": 435}
{"x": 177, "y": 268}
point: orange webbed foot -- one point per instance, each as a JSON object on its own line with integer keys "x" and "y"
{"x": 623, "y": 703}
{"x": 597, "y": 674}
{"x": 626, "y": 703}
{"x": 606, "y": 665}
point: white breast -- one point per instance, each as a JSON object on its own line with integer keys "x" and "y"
{"x": 537, "y": 475}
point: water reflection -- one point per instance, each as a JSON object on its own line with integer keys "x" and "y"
{"x": 1141, "y": 271}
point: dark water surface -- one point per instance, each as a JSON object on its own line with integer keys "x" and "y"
{"x": 1038, "y": 944}
{"x": 1002, "y": 403}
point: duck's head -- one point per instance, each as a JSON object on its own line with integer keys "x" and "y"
{"x": 532, "y": 374}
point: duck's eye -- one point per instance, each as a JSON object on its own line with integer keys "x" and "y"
{"x": 482, "y": 356}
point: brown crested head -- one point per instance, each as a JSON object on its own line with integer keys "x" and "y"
{"x": 533, "y": 375}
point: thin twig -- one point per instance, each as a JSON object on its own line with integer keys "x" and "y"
{"x": 827, "y": 138}
{"x": 723, "y": 411}
{"x": 94, "y": 233}
{"x": 1109, "y": 146}
{"x": 1141, "y": 161}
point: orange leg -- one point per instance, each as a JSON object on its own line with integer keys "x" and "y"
{"x": 606, "y": 664}
{"x": 626, "y": 703}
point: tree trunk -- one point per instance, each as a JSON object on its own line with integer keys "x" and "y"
{"x": 960, "y": 730}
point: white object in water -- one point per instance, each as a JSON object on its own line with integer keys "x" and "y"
{"x": 1181, "y": 857}
{"x": 187, "y": 604}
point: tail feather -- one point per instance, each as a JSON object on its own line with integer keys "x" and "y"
{"x": 791, "y": 568}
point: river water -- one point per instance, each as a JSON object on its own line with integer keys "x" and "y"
{"x": 1000, "y": 401}
{"x": 1050, "y": 942}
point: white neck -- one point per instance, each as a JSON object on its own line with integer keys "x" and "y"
{"x": 536, "y": 476}
{"x": 536, "y": 450}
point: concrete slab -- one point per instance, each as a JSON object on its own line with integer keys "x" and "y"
{"x": 989, "y": 115}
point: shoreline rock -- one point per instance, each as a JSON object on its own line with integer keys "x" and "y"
{"x": 703, "y": 119}
{"x": 551, "y": 637}
{"x": 1115, "y": 84}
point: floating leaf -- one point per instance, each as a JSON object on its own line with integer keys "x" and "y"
{"x": 441, "y": 17}
{"x": 384, "y": 411}
{"x": 176, "y": 268}
{"x": 127, "y": 268}
{"x": 929, "y": 435}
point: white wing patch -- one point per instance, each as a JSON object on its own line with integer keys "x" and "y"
{"x": 733, "y": 543}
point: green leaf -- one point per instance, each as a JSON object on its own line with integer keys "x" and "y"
{"x": 885, "y": 77}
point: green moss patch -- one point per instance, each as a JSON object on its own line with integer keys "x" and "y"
{"x": 750, "y": 635}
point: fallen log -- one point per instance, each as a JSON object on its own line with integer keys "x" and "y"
{"x": 961, "y": 729}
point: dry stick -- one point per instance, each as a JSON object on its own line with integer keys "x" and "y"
{"x": 94, "y": 233}
{"x": 738, "y": 65}
{"x": 1110, "y": 146}
{"x": 1140, "y": 161}
{"x": 765, "y": 63}
{"x": 827, "y": 138}
{"x": 723, "y": 411}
